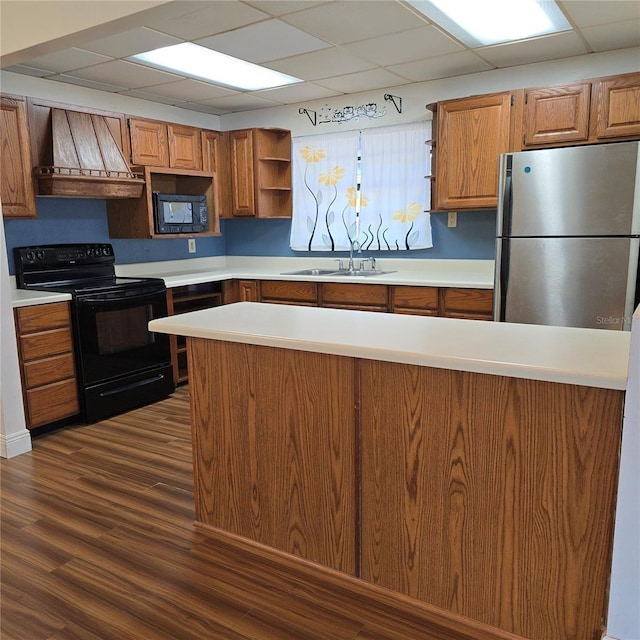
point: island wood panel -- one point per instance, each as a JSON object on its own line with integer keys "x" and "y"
{"x": 491, "y": 497}
{"x": 274, "y": 447}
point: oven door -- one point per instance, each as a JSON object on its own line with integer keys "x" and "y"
{"x": 112, "y": 336}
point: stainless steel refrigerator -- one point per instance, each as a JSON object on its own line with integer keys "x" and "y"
{"x": 568, "y": 236}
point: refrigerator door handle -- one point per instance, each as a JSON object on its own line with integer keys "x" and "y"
{"x": 507, "y": 196}
{"x": 504, "y": 262}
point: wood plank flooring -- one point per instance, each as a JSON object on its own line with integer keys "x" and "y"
{"x": 98, "y": 543}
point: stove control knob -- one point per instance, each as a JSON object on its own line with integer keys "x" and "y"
{"x": 106, "y": 251}
{"x": 40, "y": 254}
{"x": 89, "y": 251}
{"x": 31, "y": 255}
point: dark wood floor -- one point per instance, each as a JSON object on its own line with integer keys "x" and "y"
{"x": 98, "y": 543}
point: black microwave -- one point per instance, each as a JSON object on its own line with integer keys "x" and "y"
{"x": 180, "y": 214}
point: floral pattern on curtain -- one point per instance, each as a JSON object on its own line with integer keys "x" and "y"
{"x": 379, "y": 205}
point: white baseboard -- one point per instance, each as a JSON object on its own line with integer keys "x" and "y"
{"x": 15, "y": 444}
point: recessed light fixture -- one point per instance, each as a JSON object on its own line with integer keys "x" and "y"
{"x": 494, "y": 21}
{"x": 195, "y": 61}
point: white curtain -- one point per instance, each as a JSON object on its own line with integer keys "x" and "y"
{"x": 324, "y": 189}
{"x": 387, "y": 212}
{"x": 395, "y": 192}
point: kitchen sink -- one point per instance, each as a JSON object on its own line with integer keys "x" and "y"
{"x": 309, "y": 272}
{"x": 353, "y": 273}
{"x": 360, "y": 273}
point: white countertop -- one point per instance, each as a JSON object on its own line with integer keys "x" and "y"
{"x": 176, "y": 273}
{"x": 419, "y": 272}
{"x": 587, "y": 357}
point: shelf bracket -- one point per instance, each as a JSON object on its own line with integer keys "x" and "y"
{"x": 390, "y": 98}
{"x": 308, "y": 113}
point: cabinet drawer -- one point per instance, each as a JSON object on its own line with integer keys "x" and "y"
{"x": 415, "y": 300}
{"x": 355, "y": 296}
{"x": 467, "y": 303}
{"x": 42, "y": 317}
{"x": 46, "y": 343}
{"x": 282, "y": 290}
{"x": 48, "y": 370}
{"x": 52, "y": 402}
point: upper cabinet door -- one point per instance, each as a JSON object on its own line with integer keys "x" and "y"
{"x": 185, "y": 147}
{"x": 471, "y": 135}
{"x": 242, "y": 173}
{"x": 556, "y": 114}
{"x": 16, "y": 177}
{"x": 215, "y": 159}
{"x": 616, "y": 108}
{"x": 149, "y": 145}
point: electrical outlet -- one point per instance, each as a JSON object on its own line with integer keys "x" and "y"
{"x": 452, "y": 219}
{"x": 192, "y": 245}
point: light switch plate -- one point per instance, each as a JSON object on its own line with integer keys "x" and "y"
{"x": 192, "y": 245}
{"x": 452, "y": 219}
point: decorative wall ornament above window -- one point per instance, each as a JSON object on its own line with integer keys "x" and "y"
{"x": 351, "y": 112}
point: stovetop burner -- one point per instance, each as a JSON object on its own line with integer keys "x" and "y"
{"x": 73, "y": 268}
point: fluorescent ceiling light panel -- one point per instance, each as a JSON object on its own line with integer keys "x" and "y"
{"x": 494, "y": 21}
{"x": 206, "y": 64}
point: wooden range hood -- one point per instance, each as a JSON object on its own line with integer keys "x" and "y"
{"x": 83, "y": 159}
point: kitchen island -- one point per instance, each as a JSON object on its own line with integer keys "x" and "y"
{"x": 460, "y": 474}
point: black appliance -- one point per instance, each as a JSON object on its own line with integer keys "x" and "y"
{"x": 120, "y": 363}
{"x": 180, "y": 214}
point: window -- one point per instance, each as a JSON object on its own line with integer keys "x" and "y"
{"x": 362, "y": 187}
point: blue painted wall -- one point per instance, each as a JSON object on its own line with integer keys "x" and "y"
{"x": 473, "y": 238}
{"x": 63, "y": 220}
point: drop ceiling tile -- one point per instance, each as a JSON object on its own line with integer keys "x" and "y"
{"x": 612, "y": 36}
{"x": 283, "y": 7}
{"x": 269, "y": 40}
{"x": 552, "y": 47}
{"x": 587, "y": 13}
{"x": 348, "y": 21}
{"x": 189, "y": 90}
{"x": 325, "y": 63}
{"x": 130, "y": 42}
{"x": 298, "y": 93}
{"x": 27, "y": 71}
{"x": 67, "y": 60}
{"x": 125, "y": 74}
{"x": 241, "y": 102}
{"x": 454, "y": 64}
{"x": 210, "y": 19}
{"x": 202, "y": 108}
{"x": 85, "y": 82}
{"x": 425, "y": 42}
{"x": 364, "y": 81}
{"x": 151, "y": 97}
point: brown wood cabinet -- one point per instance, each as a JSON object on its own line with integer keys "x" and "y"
{"x": 483, "y": 501}
{"x": 616, "y": 107}
{"x": 422, "y": 301}
{"x": 476, "y": 304}
{"x": 17, "y": 189}
{"x": 450, "y": 302}
{"x": 165, "y": 144}
{"x": 556, "y": 114}
{"x": 289, "y": 292}
{"x": 215, "y": 159}
{"x": 471, "y": 133}
{"x": 134, "y": 218}
{"x": 182, "y": 300}
{"x": 47, "y": 365}
{"x": 366, "y": 297}
{"x": 261, "y": 173}
{"x": 594, "y": 111}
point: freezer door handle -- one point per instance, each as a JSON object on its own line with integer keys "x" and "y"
{"x": 507, "y": 197}
{"x": 504, "y": 261}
